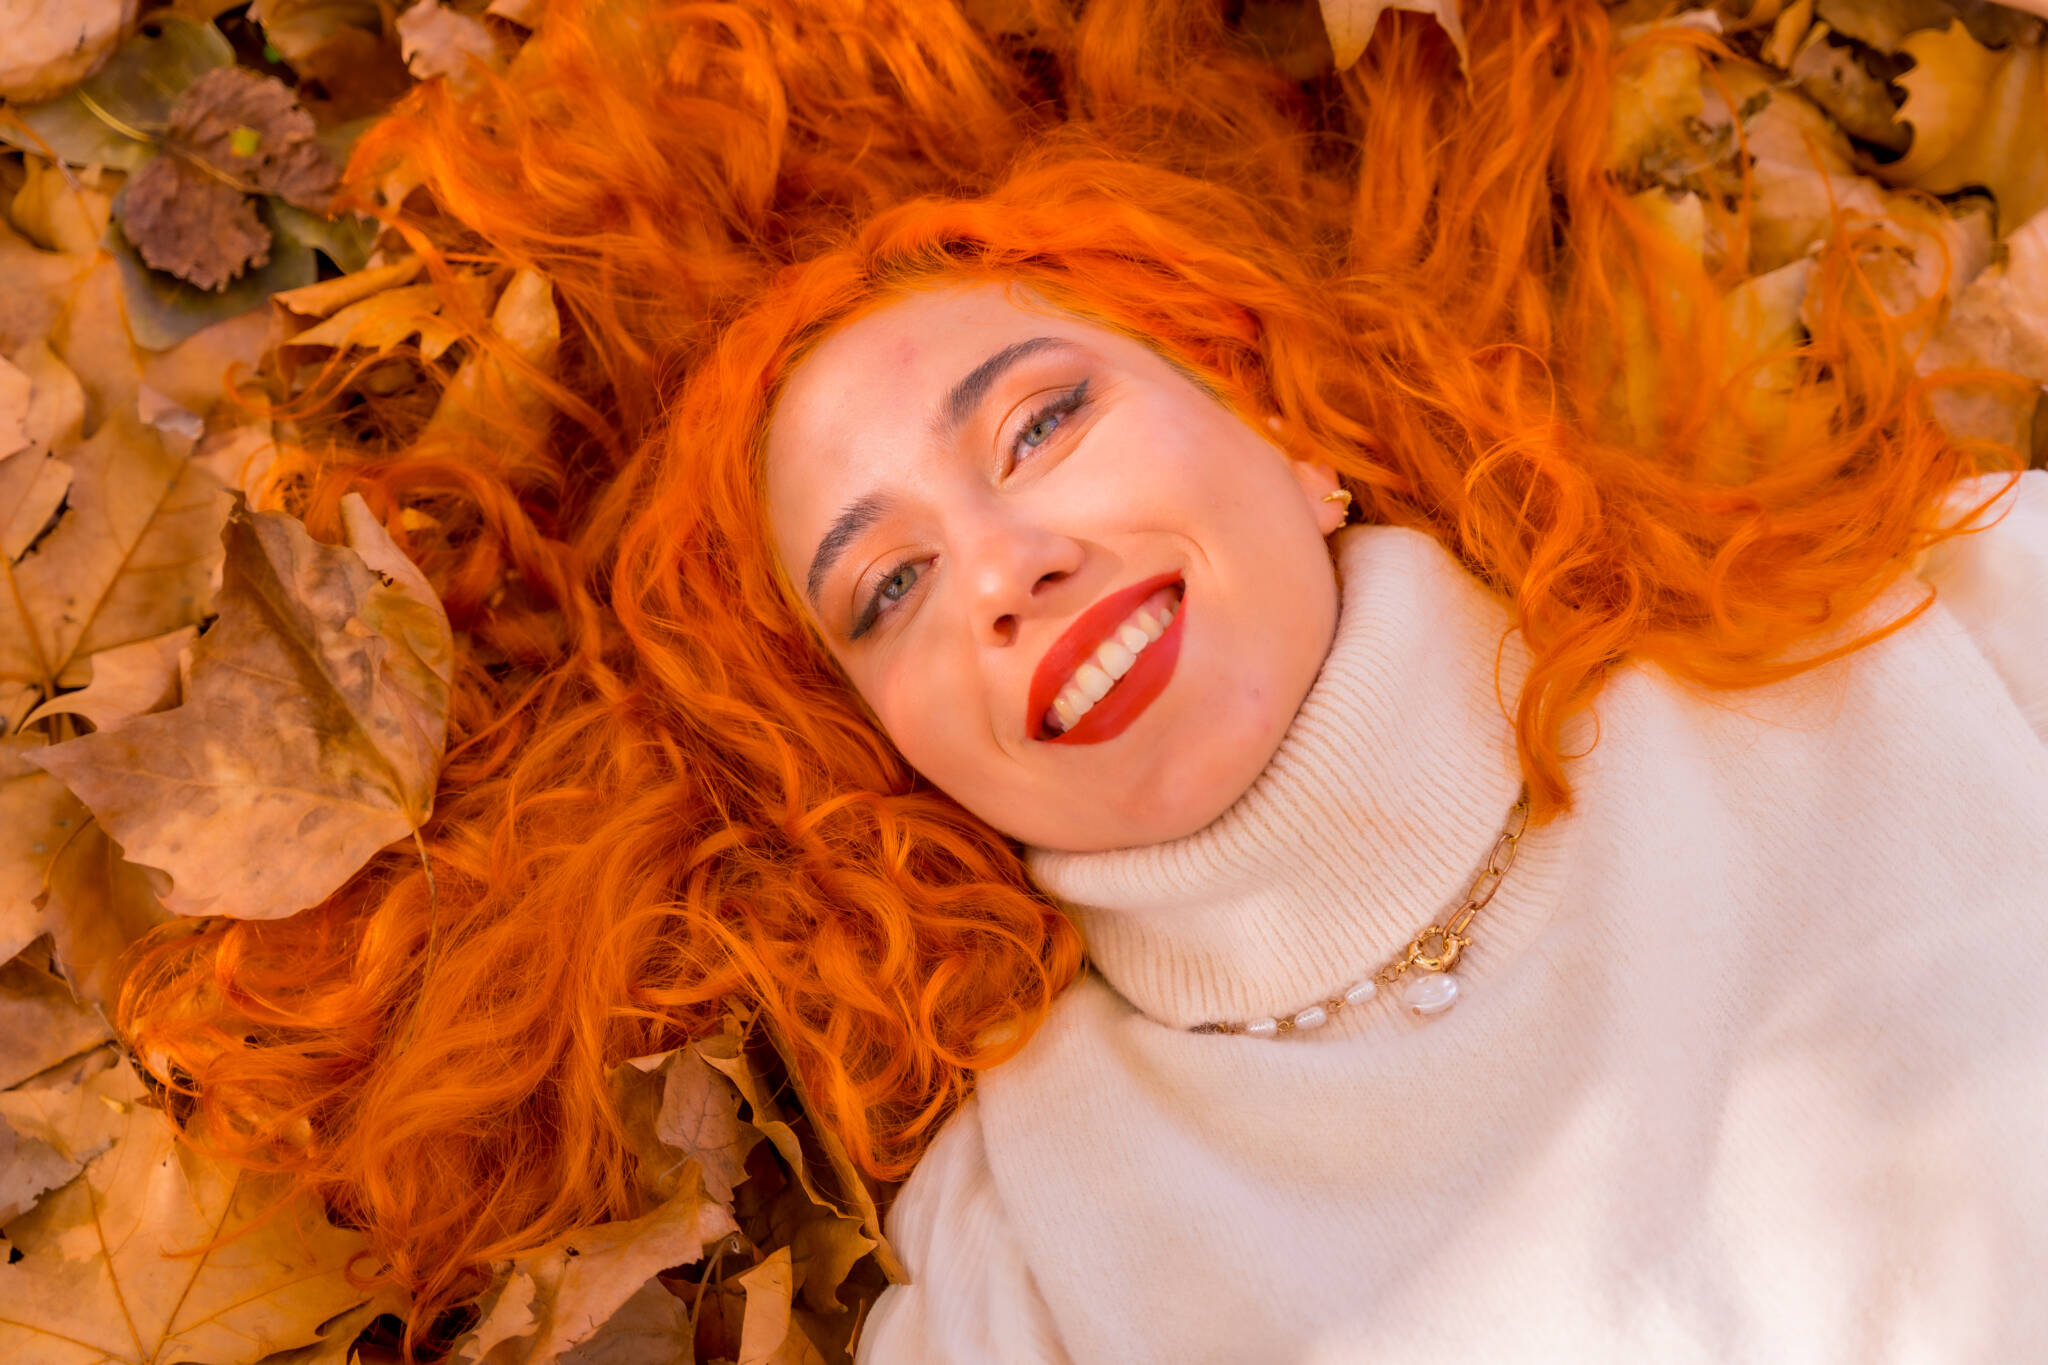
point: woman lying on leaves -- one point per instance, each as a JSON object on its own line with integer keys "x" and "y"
{"x": 1122, "y": 601}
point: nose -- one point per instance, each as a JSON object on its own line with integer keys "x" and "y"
{"x": 1012, "y": 567}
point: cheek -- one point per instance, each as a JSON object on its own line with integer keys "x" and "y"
{"x": 931, "y": 711}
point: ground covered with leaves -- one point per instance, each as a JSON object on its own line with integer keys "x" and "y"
{"x": 204, "y": 711}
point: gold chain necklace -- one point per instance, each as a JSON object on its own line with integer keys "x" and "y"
{"x": 1432, "y": 953}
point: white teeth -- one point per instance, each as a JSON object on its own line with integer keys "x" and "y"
{"x": 1114, "y": 659}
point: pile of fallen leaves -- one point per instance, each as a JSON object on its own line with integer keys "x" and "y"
{"x": 185, "y": 678}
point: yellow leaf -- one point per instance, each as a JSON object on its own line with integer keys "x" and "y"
{"x": 768, "y": 1287}
{"x": 313, "y": 726}
{"x": 1978, "y": 118}
{"x": 61, "y": 1122}
{"x": 37, "y": 818}
{"x": 131, "y": 558}
{"x": 382, "y": 321}
{"x": 329, "y": 296}
{"x": 101, "y": 1277}
{"x": 127, "y": 681}
{"x": 1999, "y": 322}
{"x": 98, "y": 904}
{"x": 1351, "y": 23}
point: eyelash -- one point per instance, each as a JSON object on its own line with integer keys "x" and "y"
{"x": 1065, "y": 406}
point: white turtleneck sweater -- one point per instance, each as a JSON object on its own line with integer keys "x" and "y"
{"x": 1751, "y": 1062}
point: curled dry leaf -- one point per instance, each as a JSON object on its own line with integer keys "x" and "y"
{"x": 53, "y": 46}
{"x": 526, "y": 322}
{"x": 186, "y": 222}
{"x": 438, "y": 41}
{"x": 312, "y": 726}
{"x": 676, "y": 1109}
{"x": 384, "y": 320}
{"x": 1999, "y": 322}
{"x": 1351, "y": 22}
{"x": 563, "y": 1293}
{"x": 102, "y": 1279}
{"x": 1977, "y": 118}
{"x": 98, "y": 904}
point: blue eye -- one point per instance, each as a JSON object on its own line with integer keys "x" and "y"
{"x": 893, "y": 588}
{"x": 1048, "y": 418}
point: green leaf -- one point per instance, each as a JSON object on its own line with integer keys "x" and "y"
{"x": 113, "y": 119}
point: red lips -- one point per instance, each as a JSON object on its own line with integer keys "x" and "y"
{"x": 1133, "y": 692}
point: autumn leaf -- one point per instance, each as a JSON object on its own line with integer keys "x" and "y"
{"x": 313, "y": 722}
{"x": 440, "y": 42}
{"x": 232, "y": 134}
{"x": 127, "y": 681}
{"x": 59, "y": 1124}
{"x": 51, "y": 47}
{"x": 1351, "y": 22}
{"x": 561, "y": 1295}
{"x": 1977, "y": 118}
{"x": 114, "y": 1265}
{"x": 98, "y": 903}
{"x": 40, "y": 1024}
{"x": 131, "y": 559}
{"x": 38, "y": 818}
{"x": 1999, "y": 322}
{"x": 677, "y": 1109}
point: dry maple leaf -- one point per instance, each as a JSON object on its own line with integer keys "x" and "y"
{"x": 102, "y": 1278}
{"x": 562, "y": 1294}
{"x": 1351, "y": 22}
{"x": 127, "y": 681}
{"x": 37, "y": 819}
{"x": 676, "y": 1109}
{"x": 132, "y": 557}
{"x": 40, "y": 1024}
{"x": 98, "y": 903}
{"x": 1978, "y": 118}
{"x": 59, "y": 1124}
{"x": 313, "y": 726}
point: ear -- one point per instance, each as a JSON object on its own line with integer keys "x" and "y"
{"x": 1317, "y": 482}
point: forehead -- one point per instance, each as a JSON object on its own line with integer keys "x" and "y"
{"x": 898, "y": 359}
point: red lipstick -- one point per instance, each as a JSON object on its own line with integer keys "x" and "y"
{"x": 1132, "y": 693}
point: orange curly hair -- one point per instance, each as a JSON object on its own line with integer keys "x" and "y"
{"x": 660, "y": 794}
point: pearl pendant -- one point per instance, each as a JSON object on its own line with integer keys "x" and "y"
{"x": 1432, "y": 993}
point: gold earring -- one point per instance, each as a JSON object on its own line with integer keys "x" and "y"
{"x": 1342, "y": 495}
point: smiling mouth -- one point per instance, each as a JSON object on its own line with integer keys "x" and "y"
{"x": 1110, "y": 665}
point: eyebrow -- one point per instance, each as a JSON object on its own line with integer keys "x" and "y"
{"x": 961, "y": 401}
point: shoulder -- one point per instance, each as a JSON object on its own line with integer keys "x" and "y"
{"x": 971, "y": 1296}
{"x": 1995, "y": 581}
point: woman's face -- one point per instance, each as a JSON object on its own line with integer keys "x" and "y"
{"x": 1081, "y": 596}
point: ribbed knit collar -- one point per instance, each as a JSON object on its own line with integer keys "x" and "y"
{"x": 1373, "y": 817}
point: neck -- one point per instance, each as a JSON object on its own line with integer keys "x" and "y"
{"x": 1373, "y": 817}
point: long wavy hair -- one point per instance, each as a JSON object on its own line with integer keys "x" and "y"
{"x": 661, "y": 795}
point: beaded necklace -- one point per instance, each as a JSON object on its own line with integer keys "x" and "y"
{"x": 1431, "y": 954}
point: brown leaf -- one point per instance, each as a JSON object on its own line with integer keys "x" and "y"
{"x": 37, "y": 819}
{"x": 131, "y": 558}
{"x": 32, "y": 488}
{"x": 56, "y": 405}
{"x": 1999, "y": 322}
{"x": 298, "y": 27}
{"x": 692, "y": 1113}
{"x": 250, "y": 128}
{"x": 101, "y": 1278}
{"x": 58, "y": 210}
{"x": 526, "y": 321}
{"x": 1351, "y": 23}
{"x": 98, "y": 904}
{"x": 40, "y": 1024}
{"x": 60, "y": 1123}
{"x": 313, "y": 726}
{"x": 768, "y": 1285}
{"x": 51, "y": 47}
{"x": 15, "y": 391}
{"x": 186, "y": 222}
{"x": 581, "y": 1280}
{"x": 438, "y": 41}
{"x": 127, "y": 681}
{"x": 651, "y": 1328}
